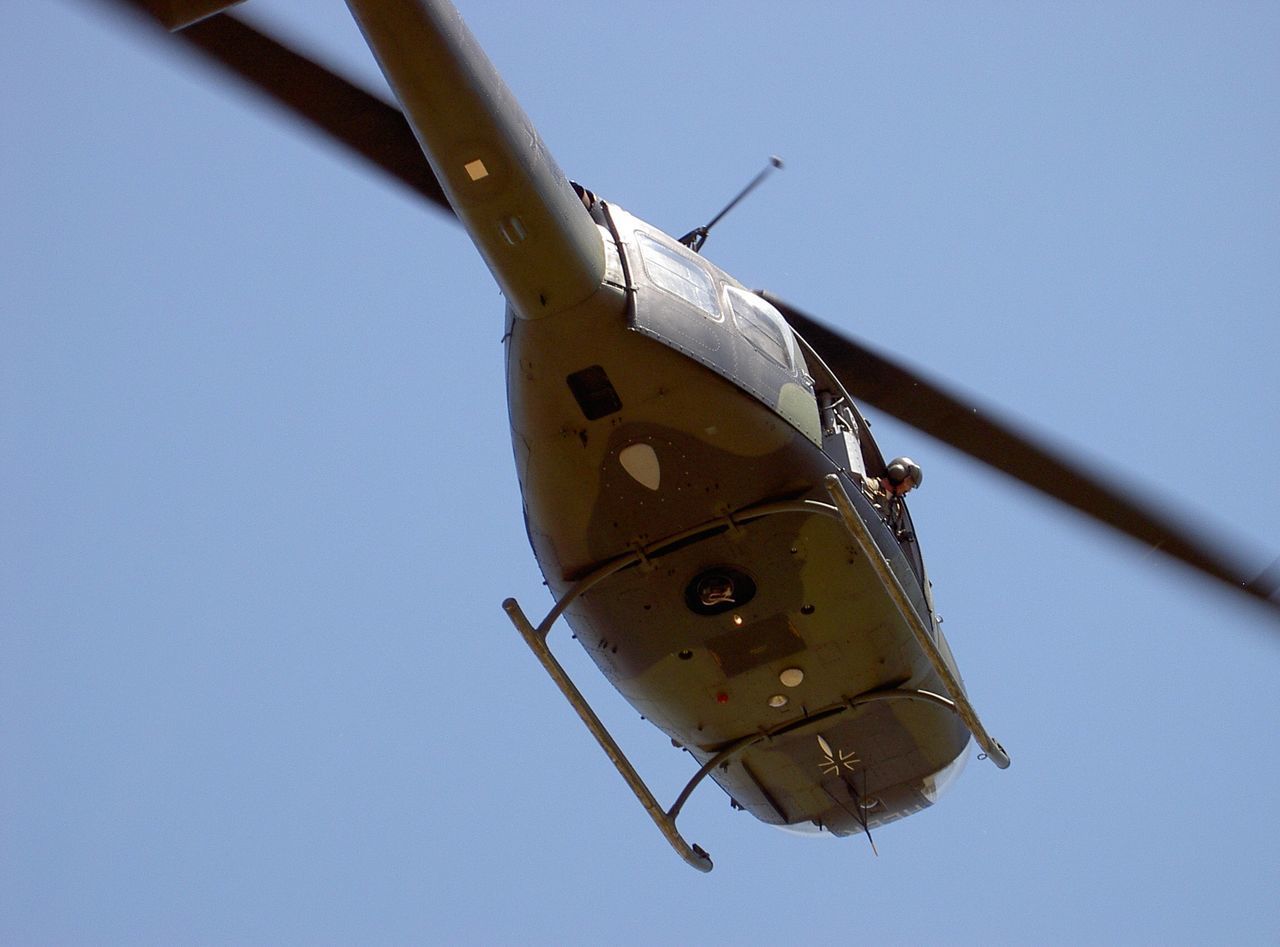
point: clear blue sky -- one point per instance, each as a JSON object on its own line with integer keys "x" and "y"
{"x": 258, "y": 506}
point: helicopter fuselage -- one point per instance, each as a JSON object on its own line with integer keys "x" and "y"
{"x": 661, "y": 411}
{"x": 669, "y": 404}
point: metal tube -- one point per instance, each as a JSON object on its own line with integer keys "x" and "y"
{"x": 732, "y": 750}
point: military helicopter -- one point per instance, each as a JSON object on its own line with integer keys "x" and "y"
{"x": 701, "y": 491}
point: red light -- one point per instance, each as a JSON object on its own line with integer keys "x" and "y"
{"x": 722, "y": 698}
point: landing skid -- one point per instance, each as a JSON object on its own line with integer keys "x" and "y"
{"x": 536, "y": 638}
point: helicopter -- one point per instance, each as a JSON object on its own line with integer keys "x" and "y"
{"x": 704, "y": 573}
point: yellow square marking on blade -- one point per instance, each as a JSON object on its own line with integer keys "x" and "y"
{"x": 476, "y": 170}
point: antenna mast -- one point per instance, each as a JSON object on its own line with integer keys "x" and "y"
{"x": 695, "y": 238}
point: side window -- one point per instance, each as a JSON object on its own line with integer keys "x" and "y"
{"x": 669, "y": 270}
{"x": 762, "y": 326}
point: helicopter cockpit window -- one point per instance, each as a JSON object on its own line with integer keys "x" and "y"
{"x": 762, "y": 326}
{"x": 678, "y": 275}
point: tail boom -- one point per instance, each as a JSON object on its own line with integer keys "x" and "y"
{"x": 519, "y": 209}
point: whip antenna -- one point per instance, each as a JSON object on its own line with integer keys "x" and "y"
{"x": 694, "y": 239}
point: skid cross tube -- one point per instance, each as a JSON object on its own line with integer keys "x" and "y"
{"x": 964, "y": 710}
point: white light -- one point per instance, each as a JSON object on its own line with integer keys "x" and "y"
{"x": 791, "y": 677}
{"x": 778, "y": 700}
{"x": 640, "y": 461}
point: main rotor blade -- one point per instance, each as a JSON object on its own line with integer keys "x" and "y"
{"x": 356, "y": 119}
{"x": 878, "y": 380}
